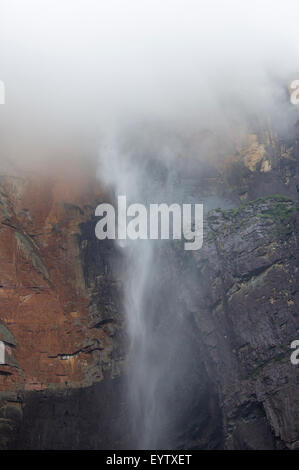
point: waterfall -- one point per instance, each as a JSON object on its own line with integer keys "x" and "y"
{"x": 158, "y": 348}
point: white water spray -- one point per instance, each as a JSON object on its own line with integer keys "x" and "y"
{"x": 152, "y": 312}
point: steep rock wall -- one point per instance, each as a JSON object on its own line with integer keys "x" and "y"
{"x": 63, "y": 325}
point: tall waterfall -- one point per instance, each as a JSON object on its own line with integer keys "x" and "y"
{"x": 159, "y": 347}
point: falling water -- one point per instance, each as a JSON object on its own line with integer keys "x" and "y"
{"x": 159, "y": 348}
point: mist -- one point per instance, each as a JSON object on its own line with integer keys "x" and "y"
{"x": 74, "y": 70}
{"x": 135, "y": 87}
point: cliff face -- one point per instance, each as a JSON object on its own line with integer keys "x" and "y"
{"x": 244, "y": 298}
{"x": 63, "y": 325}
{"x": 55, "y": 336}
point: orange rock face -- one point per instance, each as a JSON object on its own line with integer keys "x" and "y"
{"x": 43, "y": 297}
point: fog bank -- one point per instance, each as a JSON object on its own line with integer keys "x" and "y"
{"x": 75, "y": 69}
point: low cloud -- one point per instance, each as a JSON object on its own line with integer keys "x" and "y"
{"x": 76, "y": 69}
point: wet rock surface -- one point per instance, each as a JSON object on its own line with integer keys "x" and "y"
{"x": 245, "y": 303}
{"x": 64, "y": 328}
{"x": 52, "y": 342}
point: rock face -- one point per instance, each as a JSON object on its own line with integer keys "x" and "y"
{"x": 62, "y": 320}
{"x": 54, "y": 328}
{"x": 244, "y": 297}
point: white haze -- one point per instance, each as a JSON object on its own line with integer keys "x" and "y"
{"x": 73, "y": 67}
{"x": 142, "y": 78}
